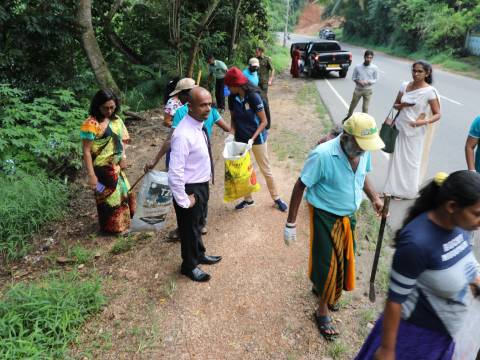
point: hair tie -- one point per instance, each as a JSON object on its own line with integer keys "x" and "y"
{"x": 440, "y": 178}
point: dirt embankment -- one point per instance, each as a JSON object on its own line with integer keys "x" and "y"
{"x": 310, "y": 21}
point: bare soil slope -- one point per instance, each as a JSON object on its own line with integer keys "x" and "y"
{"x": 310, "y": 21}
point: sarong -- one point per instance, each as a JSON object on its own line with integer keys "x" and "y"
{"x": 332, "y": 254}
{"x": 413, "y": 343}
{"x": 115, "y": 204}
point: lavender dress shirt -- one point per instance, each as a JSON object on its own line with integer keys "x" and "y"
{"x": 189, "y": 159}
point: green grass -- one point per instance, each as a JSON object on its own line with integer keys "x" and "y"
{"x": 81, "y": 255}
{"x": 122, "y": 244}
{"x": 337, "y": 350}
{"x": 28, "y": 203}
{"x": 291, "y": 147}
{"x": 366, "y": 316}
{"x": 39, "y": 320}
{"x": 170, "y": 287}
{"x": 280, "y": 57}
{"x": 469, "y": 65}
{"x": 308, "y": 94}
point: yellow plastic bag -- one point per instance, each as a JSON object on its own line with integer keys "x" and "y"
{"x": 240, "y": 178}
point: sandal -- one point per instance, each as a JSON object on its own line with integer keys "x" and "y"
{"x": 324, "y": 325}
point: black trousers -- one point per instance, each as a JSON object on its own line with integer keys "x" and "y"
{"x": 220, "y": 94}
{"x": 190, "y": 223}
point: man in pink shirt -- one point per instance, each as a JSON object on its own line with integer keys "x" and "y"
{"x": 188, "y": 176}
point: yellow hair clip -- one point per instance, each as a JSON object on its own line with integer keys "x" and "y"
{"x": 440, "y": 178}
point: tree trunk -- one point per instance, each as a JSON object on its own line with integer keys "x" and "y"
{"x": 115, "y": 40}
{"x": 236, "y": 5}
{"x": 202, "y": 26}
{"x": 92, "y": 50}
{"x": 175, "y": 39}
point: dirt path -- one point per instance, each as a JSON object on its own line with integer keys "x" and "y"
{"x": 258, "y": 304}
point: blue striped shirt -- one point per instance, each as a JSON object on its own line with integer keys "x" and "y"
{"x": 431, "y": 272}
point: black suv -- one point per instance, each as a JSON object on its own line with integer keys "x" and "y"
{"x": 327, "y": 34}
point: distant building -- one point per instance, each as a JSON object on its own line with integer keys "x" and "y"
{"x": 472, "y": 42}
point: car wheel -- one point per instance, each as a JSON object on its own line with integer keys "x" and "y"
{"x": 342, "y": 73}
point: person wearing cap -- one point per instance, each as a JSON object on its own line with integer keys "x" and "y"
{"x": 176, "y": 99}
{"x": 249, "y": 121}
{"x": 335, "y": 175}
{"x": 217, "y": 70}
{"x": 251, "y": 72}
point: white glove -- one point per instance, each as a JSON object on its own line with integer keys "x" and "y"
{"x": 229, "y": 138}
{"x": 289, "y": 234}
{"x": 250, "y": 143}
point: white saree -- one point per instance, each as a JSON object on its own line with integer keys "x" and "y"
{"x": 408, "y": 163}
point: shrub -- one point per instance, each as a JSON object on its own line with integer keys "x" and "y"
{"x": 38, "y": 321}
{"x": 40, "y": 134}
{"x": 28, "y": 202}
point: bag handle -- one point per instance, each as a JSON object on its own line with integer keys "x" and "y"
{"x": 390, "y": 115}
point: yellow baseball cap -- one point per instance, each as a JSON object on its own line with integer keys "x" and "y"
{"x": 364, "y": 128}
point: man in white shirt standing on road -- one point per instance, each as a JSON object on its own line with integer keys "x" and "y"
{"x": 364, "y": 76}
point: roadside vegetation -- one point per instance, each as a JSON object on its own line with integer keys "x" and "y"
{"x": 39, "y": 320}
{"x": 402, "y": 28}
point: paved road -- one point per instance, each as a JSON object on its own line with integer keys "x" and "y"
{"x": 459, "y": 97}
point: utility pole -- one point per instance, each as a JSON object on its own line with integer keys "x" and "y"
{"x": 285, "y": 32}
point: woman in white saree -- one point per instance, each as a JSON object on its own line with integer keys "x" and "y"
{"x": 419, "y": 106}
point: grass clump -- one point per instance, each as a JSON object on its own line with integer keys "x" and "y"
{"x": 337, "y": 350}
{"x": 81, "y": 255}
{"x": 122, "y": 244}
{"x": 280, "y": 57}
{"x": 39, "y": 320}
{"x": 28, "y": 203}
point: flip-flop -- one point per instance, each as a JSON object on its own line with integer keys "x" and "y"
{"x": 324, "y": 325}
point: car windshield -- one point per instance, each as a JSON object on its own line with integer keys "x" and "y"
{"x": 325, "y": 46}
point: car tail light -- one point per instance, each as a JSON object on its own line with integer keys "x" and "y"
{"x": 317, "y": 57}
{"x": 350, "y": 57}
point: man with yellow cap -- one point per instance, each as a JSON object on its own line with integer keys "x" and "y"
{"x": 335, "y": 175}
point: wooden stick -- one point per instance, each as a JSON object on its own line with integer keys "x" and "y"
{"x": 386, "y": 205}
{"x": 137, "y": 181}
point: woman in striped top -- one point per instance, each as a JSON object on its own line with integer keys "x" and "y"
{"x": 433, "y": 271}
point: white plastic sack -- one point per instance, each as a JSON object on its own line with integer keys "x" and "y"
{"x": 234, "y": 150}
{"x": 467, "y": 341}
{"x": 153, "y": 203}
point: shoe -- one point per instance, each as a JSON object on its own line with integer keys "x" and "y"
{"x": 204, "y": 230}
{"x": 209, "y": 259}
{"x": 173, "y": 236}
{"x": 281, "y": 205}
{"x": 196, "y": 274}
{"x": 244, "y": 204}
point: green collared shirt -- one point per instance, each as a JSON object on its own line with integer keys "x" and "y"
{"x": 331, "y": 183}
